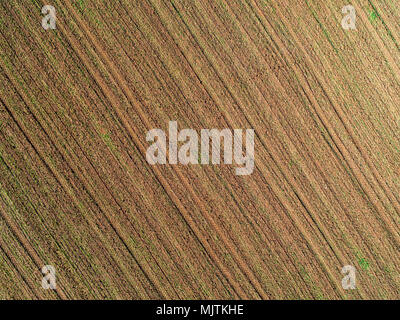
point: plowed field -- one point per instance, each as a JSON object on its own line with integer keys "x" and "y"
{"x": 77, "y": 193}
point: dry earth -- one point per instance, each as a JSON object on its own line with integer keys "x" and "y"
{"x": 77, "y": 193}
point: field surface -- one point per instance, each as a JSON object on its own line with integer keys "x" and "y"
{"x": 77, "y": 193}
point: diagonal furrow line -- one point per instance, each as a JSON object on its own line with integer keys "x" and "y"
{"x": 176, "y": 244}
{"x": 280, "y": 45}
{"x": 342, "y": 117}
{"x": 82, "y": 178}
{"x": 396, "y": 72}
{"x": 253, "y": 224}
{"x": 37, "y": 213}
{"x": 9, "y": 255}
{"x": 61, "y": 180}
{"x": 226, "y": 116}
{"x": 50, "y": 167}
{"x": 364, "y": 184}
{"x": 304, "y": 202}
{"x": 25, "y": 243}
{"x": 140, "y": 146}
{"x": 285, "y": 173}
